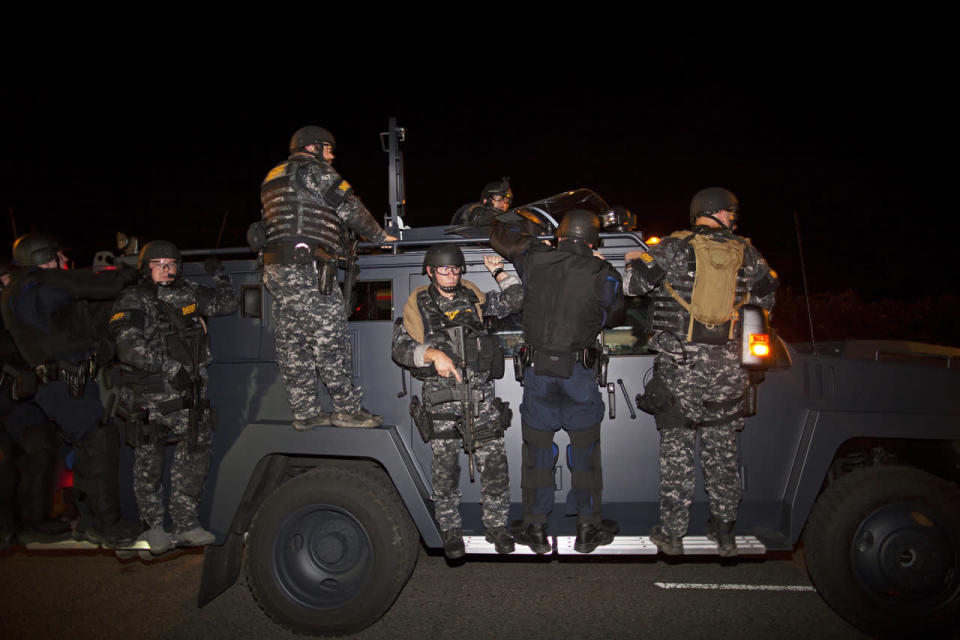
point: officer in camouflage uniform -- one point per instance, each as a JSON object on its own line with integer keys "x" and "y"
{"x": 495, "y": 198}
{"x": 307, "y": 210}
{"x": 163, "y": 351}
{"x": 697, "y": 373}
{"x": 423, "y": 341}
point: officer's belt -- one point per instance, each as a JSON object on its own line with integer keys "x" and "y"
{"x": 587, "y": 353}
{"x": 453, "y": 394}
{"x": 183, "y": 402}
{"x": 150, "y": 382}
{"x": 723, "y": 404}
{"x": 55, "y": 369}
{"x": 287, "y": 253}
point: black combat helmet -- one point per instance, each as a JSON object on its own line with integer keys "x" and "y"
{"x": 580, "y": 224}
{"x": 155, "y": 250}
{"x": 444, "y": 255}
{"x": 305, "y": 136}
{"x": 32, "y": 249}
{"x": 709, "y": 201}
{"x": 499, "y": 188}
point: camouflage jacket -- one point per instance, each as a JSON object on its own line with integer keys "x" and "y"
{"x": 141, "y": 327}
{"x": 675, "y": 256}
{"x": 318, "y": 178}
{"x": 410, "y": 343}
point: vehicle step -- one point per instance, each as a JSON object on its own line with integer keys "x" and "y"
{"x": 624, "y": 546}
{"x": 82, "y": 545}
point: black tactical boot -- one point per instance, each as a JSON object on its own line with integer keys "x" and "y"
{"x": 453, "y": 546}
{"x": 591, "y": 535}
{"x": 668, "y": 544}
{"x": 722, "y": 534}
{"x": 501, "y": 539}
{"x": 533, "y": 535}
{"x": 97, "y": 458}
{"x": 37, "y": 466}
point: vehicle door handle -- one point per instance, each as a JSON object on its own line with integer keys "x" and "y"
{"x": 612, "y": 399}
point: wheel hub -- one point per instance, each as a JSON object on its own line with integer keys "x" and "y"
{"x": 903, "y": 556}
{"x": 322, "y": 556}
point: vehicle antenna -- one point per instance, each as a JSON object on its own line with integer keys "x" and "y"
{"x": 803, "y": 274}
{"x": 223, "y": 225}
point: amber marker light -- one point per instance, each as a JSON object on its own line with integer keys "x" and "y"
{"x": 760, "y": 344}
{"x": 652, "y": 240}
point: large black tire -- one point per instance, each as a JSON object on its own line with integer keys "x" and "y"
{"x": 883, "y": 549}
{"x": 329, "y": 550}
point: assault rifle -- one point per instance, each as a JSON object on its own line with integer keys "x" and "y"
{"x": 464, "y": 394}
{"x": 350, "y": 271}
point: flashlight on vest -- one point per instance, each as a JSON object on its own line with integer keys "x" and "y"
{"x": 755, "y": 347}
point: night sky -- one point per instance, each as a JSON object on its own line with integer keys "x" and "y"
{"x": 854, "y": 134}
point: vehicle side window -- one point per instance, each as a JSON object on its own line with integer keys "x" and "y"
{"x": 509, "y": 331}
{"x": 372, "y": 300}
{"x": 630, "y": 338}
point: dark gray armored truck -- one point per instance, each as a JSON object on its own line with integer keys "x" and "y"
{"x": 854, "y": 454}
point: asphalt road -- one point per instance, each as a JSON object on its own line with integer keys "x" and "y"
{"x": 93, "y": 595}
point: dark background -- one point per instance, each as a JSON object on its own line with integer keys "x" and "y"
{"x": 849, "y": 129}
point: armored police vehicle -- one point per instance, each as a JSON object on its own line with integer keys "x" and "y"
{"x": 854, "y": 453}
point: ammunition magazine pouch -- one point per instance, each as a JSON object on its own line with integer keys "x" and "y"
{"x": 144, "y": 434}
{"x": 326, "y": 276}
{"x": 257, "y": 236}
{"x": 484, "y": 353}
{"x": 656, "y": 397}
{"x": 422, "y": 419}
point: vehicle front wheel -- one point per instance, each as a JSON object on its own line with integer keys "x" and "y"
{"x": 883, "y": 549}
{"x": 329, "y": 550}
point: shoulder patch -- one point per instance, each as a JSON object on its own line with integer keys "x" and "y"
{"x": 277, "y": 172}
{"x": 190, "y": 308}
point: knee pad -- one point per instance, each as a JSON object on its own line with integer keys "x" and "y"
{"x": 583, "y": 459}
{"x": 540, "y": 456}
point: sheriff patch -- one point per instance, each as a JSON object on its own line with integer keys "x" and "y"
{"x": 187, "y": 310}
{"x": 120, "y": 315}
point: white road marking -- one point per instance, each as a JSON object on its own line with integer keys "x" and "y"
{"x": 733, "y": 587}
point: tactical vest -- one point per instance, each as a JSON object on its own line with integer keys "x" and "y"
{"x": 424, "y": 318}
{"x": 701, "y": 302}
{"x": 292, "y": 212}
{"x": 46, "y": 322}
{"x": 559, "y": 310}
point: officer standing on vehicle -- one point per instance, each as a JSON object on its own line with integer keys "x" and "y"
{"x": 443, "y": 340}
{"x": 570, "y": 294}
{"x": 698, "y": 279}
{"x": 163, "y": 351}
{"x": 45, "y": 308}
{"x": 308, "y": 210}
{"x": 495, "y": 198}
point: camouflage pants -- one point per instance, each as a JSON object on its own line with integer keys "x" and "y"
{"x": 706, "y": 386}
{"x": 312, "y": 340}
{"x": 491, "y": 458}
{"x": 187, "y": 472}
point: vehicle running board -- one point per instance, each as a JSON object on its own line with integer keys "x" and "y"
{"x": 623, "y": 546}
{"x": 83, "y": 545}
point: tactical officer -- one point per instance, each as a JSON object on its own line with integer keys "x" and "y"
{"x": 45, "y": 308}
{"x": 308, "y": 210}
{"x": 29, "y": 449}
{"x": 697, "y": 280}
{"x": 570, "y": 294}
{"x": 443, "y": 340}
{"x": 163, "y": 351}
{"x": 495, "y": 198}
